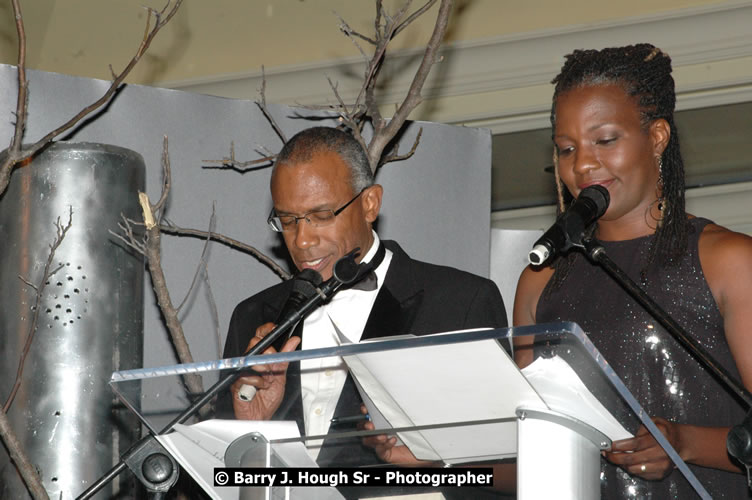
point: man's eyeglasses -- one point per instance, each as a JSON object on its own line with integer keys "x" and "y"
{"x": 316, "y": 218}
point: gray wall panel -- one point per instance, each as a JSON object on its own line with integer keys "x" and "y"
{"x": 437, "y": 204}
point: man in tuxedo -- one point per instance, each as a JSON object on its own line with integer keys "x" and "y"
{"x": 325, "y": 203}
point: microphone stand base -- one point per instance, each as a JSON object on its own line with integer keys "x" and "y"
{"x": 154, "y": 467}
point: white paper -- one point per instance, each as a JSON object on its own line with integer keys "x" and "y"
{"x": 466, "y": 382}
{"x": 201, "y": 447}
{"x": 380, "y": 421}
{"x": 434, "y": 385}
{"x": 563, "y": 390}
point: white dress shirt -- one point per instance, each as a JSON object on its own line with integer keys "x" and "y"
{"x": 322, "y": 380}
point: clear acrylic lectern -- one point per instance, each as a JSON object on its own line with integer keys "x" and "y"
{"x": 452, "y": 398}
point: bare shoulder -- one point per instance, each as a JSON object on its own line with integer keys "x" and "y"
{"x": 536, "y": 277}
{"x": 726, "y": 259}
{"x": 718, "y": 245}
{"x": 529, "y": 288}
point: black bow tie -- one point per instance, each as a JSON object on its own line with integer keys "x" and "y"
{"x": 367, "y": 279}
{"x": 367, "y": 283}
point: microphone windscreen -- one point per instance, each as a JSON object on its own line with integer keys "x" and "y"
{"x": 304, "y": 286}
{"x": 346, "y": 269}
{"x": 308, "y": 275}
{"x": 598, "y": 195}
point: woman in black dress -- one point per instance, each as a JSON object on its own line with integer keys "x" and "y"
{"x": 613, "y": 125}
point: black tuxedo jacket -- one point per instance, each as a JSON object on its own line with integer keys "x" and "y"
{"x": 416, "y": 298}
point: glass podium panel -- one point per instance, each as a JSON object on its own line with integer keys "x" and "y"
{"x": 452, "y": 399}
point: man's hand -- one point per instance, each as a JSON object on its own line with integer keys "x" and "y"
{"x": 386, "y": 447}
{"x": 642, "y": 456}
{"x": 269, "y": 382}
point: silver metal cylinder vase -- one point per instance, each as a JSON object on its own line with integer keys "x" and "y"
{"x": 89, "y": 317}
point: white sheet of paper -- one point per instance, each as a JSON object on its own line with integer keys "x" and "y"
{"x": 461, "y": 382}
{"x": 564, "y": 391}
{"x": 201, "y": 447}
{"x": 380, "y": 421}
{"x": 466, "y": 382}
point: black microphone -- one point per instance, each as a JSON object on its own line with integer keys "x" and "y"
{"x": 307, "y": 286}
{"x": 344, "y": 272}
{"x": 570, "y": 226}
{"x": 346, "y": 269}
{"x": 305, "y": 296}
{"x": 304, "y": 286}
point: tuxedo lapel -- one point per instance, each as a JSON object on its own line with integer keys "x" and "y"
{"x": 271, "y": 311}
{"x": 398, "y": 301}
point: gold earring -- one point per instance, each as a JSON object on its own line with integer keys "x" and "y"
{"x": 660, "y": 200}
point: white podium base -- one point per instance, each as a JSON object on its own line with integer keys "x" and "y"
{"x": 557, "y": 456}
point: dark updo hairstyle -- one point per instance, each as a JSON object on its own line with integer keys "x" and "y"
{"x": 644, "y": 72}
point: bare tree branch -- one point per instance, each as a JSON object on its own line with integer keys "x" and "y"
{"x": 15, "y": 152}
{"x": 377, "y": 18}
{"x": 21, "y": 102}
{"x": 166, "y": 179}
{"x": 28, "y": 283}
{"x": 265, "y": 110}
{"x": 352, "y": 34}
{"x": 210, "y": 293}
{"x": 350, "y": 119}
{"x": 153, "y": 253}
{"x": 395, "y": 156}
{"x": 384, "y": 34}
{"x": 18, "y": 455}
{"x": 23, "y": 85}
{"x": 213, "y": 308}
{"x": 46, "y": 274}
{"x": 369, "y": 83}
{"x": 413, "y": 17}
{"x": 264, "y": 151}
{"x": 241, "y": 166}
{"x": 366, "y": 104}
{"x": 129, "y": 239}
{"x": 387, "y": 27}
{"x": 26, "y": 469}
{"x": 232, "y": 243}
{"x": 202, "y": 260}
{"x": 170, "y": 228}
{"x": 383, "y": 136}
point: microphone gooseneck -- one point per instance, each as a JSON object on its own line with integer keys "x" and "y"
{"x": 344, "y": 269}
{"x": 304, "y": 286}
{"x": 570, "y": 226}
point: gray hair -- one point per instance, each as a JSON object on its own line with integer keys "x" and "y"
{"x": 309, "y": 142}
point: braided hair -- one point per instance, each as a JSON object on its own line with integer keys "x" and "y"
{"x": 644, "y": 72}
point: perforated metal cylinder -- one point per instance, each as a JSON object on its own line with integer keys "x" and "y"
{"x": 89, "y": 318}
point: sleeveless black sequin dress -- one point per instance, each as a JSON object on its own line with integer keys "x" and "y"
{"x": 664, "y": 379}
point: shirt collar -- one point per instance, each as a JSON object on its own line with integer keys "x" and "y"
{"x": 371, "y": 251}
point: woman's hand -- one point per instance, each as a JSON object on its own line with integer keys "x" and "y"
{"x": 642, "y": 456}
